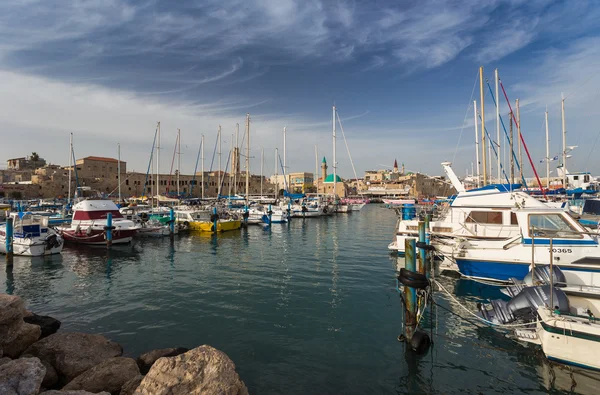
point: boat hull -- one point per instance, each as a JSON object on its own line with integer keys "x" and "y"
{"x": 222, "y": 226}
{"x": 96, "y": 236}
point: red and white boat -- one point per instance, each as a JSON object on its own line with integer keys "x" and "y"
{"x": 90, "y": 220}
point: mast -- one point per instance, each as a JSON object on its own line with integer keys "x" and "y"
{"x": 482, "y": 112}
{"x": 564, "y": 153}
{"x": 202, "y": 145}
{"x": 334, "y": 162}
{"x": 498, "y": 122}
{"x": 317, "y": 169}
{"x": 232, "y": 170}
{"x": 276, "y": 175}
{"x": 178, "y": 158}
{"x": 262, "y": 163}
{"x": 284, "y": 150}
{"x": 158, "y": 165}
{"x": 512, "y": 156}
{"x": 519, "y": 141}
{"x": 237, "y": 157}
{"x": 547, "y": 153}
{"x": 247, "y": 158}
{"x": 119, "y": 169}
{"x": 220, "y": 141}
{"x": 70, "y": 164}
{"x": 476, "y": 143}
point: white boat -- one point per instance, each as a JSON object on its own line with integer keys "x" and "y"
{"x": 398, "y": 202}
{"x": 154, "y": 228}
{"x": 31, "y": 236}
{"x": 357, "y": 206}
{"x": 343, "y": 208}
{"x": 89, "y": 223}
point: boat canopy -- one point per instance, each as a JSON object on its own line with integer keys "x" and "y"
{"x": 293, "y": 195}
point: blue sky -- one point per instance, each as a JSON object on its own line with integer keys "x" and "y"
{"x": 401, "y": 74}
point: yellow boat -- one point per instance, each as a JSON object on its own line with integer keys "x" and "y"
{"x": 223, "y": 225}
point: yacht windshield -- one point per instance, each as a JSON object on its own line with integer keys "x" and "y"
{"x": 552, "y": 225}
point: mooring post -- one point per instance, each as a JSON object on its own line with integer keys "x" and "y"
{"x": 9, "y": 241}
{"x": 172, "y": 224}
{"x": 410, "y": 294}
{"x": 109, "y": 226}
{"x": 428, "y": 254}
{"x": 216, "y": 220}
{"x": 422, "y": 262}
{"x": 246, "y": 216}
{"x": 270, "y": 215}
{"x": 289, "y": 211}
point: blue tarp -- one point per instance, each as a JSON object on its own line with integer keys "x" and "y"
{"x": 293, "y": 195}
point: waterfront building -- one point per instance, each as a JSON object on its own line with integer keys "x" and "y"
{"x": 326, "y": 182}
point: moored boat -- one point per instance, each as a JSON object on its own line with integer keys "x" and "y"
{"x": 31, "y": 236}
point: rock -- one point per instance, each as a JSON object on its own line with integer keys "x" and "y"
{"x": 146, "y": 360}
{"x": 48, "y": 325}
{"x": 54, "y": 392}
{"x": 51, "y": 377}
{"x": 12, "y": 308}
{"x": 27, "y": 335}
{"x": 109, "y": 375}
{"x": 73, "y": 353}
{"x": 4, "y": 360}
{"x": 21, "y": 376}
{"x": 203, "y": 370}
{"x": 129, "y": 387}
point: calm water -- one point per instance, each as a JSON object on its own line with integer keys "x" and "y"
{"x": 309, "y": 307}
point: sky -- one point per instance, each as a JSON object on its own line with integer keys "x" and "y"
{"x": 402, "y": 74}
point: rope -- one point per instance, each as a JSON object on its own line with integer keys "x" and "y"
{"x": 345, "y": 142}
{"x": 465, "y": 118}
{"x": 480, "y": 318}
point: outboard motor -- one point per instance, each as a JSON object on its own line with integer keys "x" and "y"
{"x": 524, "y": 305}
{"x": 542, "y": 276}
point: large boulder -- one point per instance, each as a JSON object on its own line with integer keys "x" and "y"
{"x": 146, "y": 360}
{"x": 12, "y": 309}
{"x": 109, "y": 375}
{"x": 53, "y": 392}
{"x": 71, "y": 354}
{"x": 48, "y": 325}
{"x": 51, "y": 377}
{"x": 26, "y": 336}
{"x": 203, "y": 370}
{"x": 21, "y": 376}
{"x": 129, "y": 387}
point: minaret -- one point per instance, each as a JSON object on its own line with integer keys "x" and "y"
{"x": 324, "y": 169}
{"x": 395, "y": 166}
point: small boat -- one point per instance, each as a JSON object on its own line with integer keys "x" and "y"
{"x": 398, "y": 202}
{"x": 31, "y": 236}
{"x": 90, "y": 221}
{"x": 202, "y": 221}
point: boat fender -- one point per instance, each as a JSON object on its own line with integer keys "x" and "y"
{"x": 420, "y": 341}
{"x": 324, "y": 210}
{"x": 214, "y": 217}
{"x": 413, "y": 279}
{"x": 144, "y": 216}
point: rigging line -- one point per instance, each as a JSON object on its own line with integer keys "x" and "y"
{"x": 345, "y": 142}
{"x": 172, "y": 162}
{"x": 214, "y": 152}
{"x": 196, "y": 168}
{"x": 150, "y": 161}
{"x": 507, "y": 137}
{"x": 592, "y": 150}
{"x": 224, "y": 172}
{"x": 523, "y": 141}
{"x": 465, "y": 118}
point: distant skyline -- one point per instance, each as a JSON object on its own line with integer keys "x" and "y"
{"x": 402, "y": 75}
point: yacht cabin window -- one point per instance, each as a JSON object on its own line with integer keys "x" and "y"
{"x": 552, "y": 225}
{"x": 485, "y": 217}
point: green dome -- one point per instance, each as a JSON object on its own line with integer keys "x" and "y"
{"x": 329, "y": 178}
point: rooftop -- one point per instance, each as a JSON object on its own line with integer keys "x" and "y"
{"x": 329, "y": 178}
{"x": 101, "y": 158}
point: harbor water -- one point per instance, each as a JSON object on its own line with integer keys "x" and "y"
{"x": 306, "y": 307}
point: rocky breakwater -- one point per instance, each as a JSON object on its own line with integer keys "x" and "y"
{"x": 37, "y": 359}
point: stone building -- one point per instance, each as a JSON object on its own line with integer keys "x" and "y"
{"x": 326, "y": 183}
{"x": 25, "y": 163}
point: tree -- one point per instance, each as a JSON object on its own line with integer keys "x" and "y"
{"x": 34, "y": 157}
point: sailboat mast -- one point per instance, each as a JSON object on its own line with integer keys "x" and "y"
{"x": 477, "y": 143}
{"x": 498, "y": 122}
{"x": 334, "y": 162}
{"x": 284, "y": 150}
{"x": 519, "y": 141}
{"x": 262, "y": 163}
{"x": 158, "y": 165}
{"x": 178, "y": 158}
{"x": 202, "y": 145}
{"x": 119, "y": 169}
{"x": 237, "y": 157}
{"x": 512, "y": 156}
{"x": 547, "y": 153}
{"x": 70, "y": 164}
{"x": 564, "y": 133}
{"x": 276, "y": 175}
{"x": 482, "y": 112}
{"x": 232, "y": 170}
{"x": 317, "y": 169}
{"x": 220, "y": 140}
{"x": 247, "y": 158}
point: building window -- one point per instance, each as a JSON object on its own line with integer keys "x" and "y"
{"x": 127, "y": 183}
